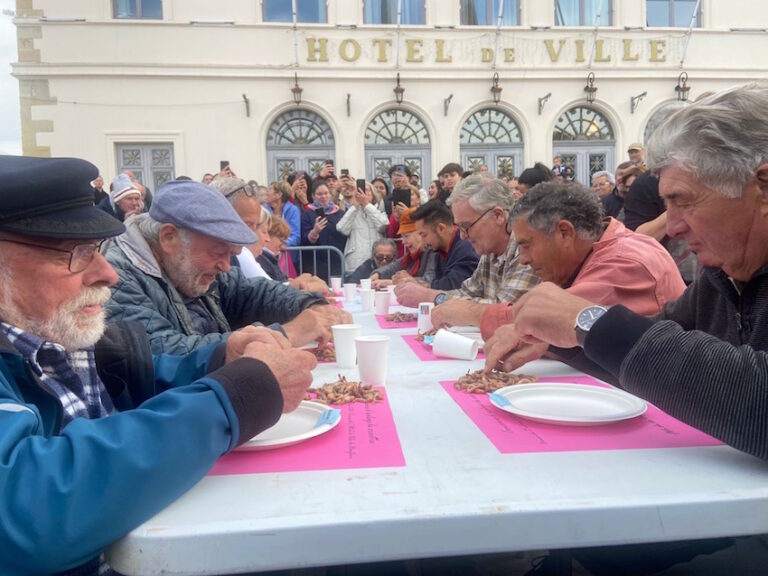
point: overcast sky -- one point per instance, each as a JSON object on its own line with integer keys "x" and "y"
{"x": 10, "y": 125}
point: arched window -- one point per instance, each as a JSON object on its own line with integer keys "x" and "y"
{"x": 492, "y": 137}
{"x": 582, "y": 123}
{"x": 397, "y": 136}
{"x": 584, "y": 138}
{"x": 298, "y": 140}
{"x": 659, "y": 116}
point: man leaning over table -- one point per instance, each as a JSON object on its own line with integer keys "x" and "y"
{"x": 73, "y": 445}
{"x": 455, "y": 259}
{"x": 704, "y": 358}
{"x": 481, "y": 205}
{"x": 175, "y": 276}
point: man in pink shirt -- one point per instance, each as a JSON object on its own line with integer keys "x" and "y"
{"x": 562, "y": 234}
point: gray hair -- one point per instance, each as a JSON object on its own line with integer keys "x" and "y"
{"x": 547, "y": 203}
{"x": 227, "y": 186}
{"x": 609, "y": 175}
{"x": 149, "y": 228}
{"x": 483, "y": 192}
{"x": 721, "y": 139}
{"x": 383, "y": 242}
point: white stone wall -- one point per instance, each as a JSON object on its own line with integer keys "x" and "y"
{"x": 114, "y": 81}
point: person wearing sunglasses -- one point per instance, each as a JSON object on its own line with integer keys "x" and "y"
{"x": 74, "y": 446}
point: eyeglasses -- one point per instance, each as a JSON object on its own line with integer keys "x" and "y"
{"x": 80, "y": 256}
{"x": 247, "y": 188}
{"x": 383, "y": 258}
{"x": 464, "y": 228}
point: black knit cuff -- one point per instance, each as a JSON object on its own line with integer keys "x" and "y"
{"x": 254, "y": 393}
{"x": 217, "y": 358}
{"x": 612, "y": 337}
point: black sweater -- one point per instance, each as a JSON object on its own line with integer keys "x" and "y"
{"x": 704, "y": 360}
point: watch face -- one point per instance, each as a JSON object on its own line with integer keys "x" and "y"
{"x": 588, "y": 316}
{"x": 440, "y": 298}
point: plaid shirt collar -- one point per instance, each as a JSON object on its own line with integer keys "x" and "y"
{"x": 70, "y": 376}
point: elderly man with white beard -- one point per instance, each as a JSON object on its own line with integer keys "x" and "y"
{"x": 176, "y": 279}
{"x": 73, "y": 448}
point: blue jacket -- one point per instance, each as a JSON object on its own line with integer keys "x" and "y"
{"x": 144, "y": 294}
{"x": 292, "y": 217}
{"x": 68, "y": 493}
{"x": 455, "y": 266}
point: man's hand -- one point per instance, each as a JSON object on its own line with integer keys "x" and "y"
{"x": 410, "y": 294}
{"x": 504, "y": 351}
{"x": 457, "y": 312}
{"x": 314, "y": 324}
{"x": 309, "y": 282}
{"x": 291, "y": 367}
{"x": 402, "y": 276}
{"x": 239, "y": 340}
{"x": 548, "y": 314}
{"x": 376, "y": 284}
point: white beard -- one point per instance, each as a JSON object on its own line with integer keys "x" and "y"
{"x": 68, "y": 326}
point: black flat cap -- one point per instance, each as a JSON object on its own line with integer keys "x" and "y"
{"x": 52, "y": 198}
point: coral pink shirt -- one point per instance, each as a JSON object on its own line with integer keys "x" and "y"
{"x": 624, "y": 267}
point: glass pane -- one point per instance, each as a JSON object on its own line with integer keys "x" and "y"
{"x": 490, "y": 126}
{"x": 567, "y": 12}
{"x": 657, "y": 13}
{"x": 152, "y": 9}
{"x": 413, "y": 12}
{"x": 591, "y": 8}
{"x": 125, "y": 9}
{"x": 582, "y": 123}
{"x": 300, "y": 128}
{"x": 396, "y": 126}
{"x": 312, "y": 11}
{"x": 683, "y": 11}
{"x": 385, "y": 12}
{"x": 485, "y": 12}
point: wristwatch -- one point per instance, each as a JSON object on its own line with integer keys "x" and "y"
{"x": 440, "y": 298}
{"x": 585, "y": 319}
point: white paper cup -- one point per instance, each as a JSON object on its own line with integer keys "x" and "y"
{"x": 365, "y": 283}
{"x": 452, "y": 345}
{"x": 366, "y": 299}
{"x": 349, "y": 292}
{"x": 344, "y": 342}
{"x": 372, "y": 359}
{"x": 425, "y": 317}
{"x": 392, "y": 295}
{"x": 381, "y": 303}
{"x": 335, "y": 284}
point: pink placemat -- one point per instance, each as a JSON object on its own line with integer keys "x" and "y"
{"x": 424, "y": 352}
{"x": 512, "y": 434}
{"x": 365, "y": 438}
{"x": 386, "y": 324}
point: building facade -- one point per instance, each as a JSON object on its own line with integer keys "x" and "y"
{"x": 170, "y": 87}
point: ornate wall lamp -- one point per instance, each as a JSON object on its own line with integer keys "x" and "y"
{"x": 590, "y": 89}
{"x": 398, "y": 90}
{"x": 682, "y": 87}
{"x": 496, "y": 89}
{"x": 297, "y": 90}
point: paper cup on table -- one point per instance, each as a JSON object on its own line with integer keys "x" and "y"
{"x": 344, "y": 342}
{"x": 381, "y": 303}
{"x": 349, "y": 292}
{"x": 366, "y": 299}
{"x": 452, "y": 345}
{"x": 424, "y": 319}
{"x": 365, "y": 284}
{"x": 392, "y": 295}
{"x": 372, "y": 359}
{"x": 336, "y": 284}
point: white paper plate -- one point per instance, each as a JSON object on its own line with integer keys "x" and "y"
{"x": 310, "y": 419}
{"x": 568, "y": 404}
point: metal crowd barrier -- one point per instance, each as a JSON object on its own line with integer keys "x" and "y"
{"x": 330, "y": 250}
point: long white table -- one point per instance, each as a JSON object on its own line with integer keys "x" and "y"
{"x": 456, "y": 495}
